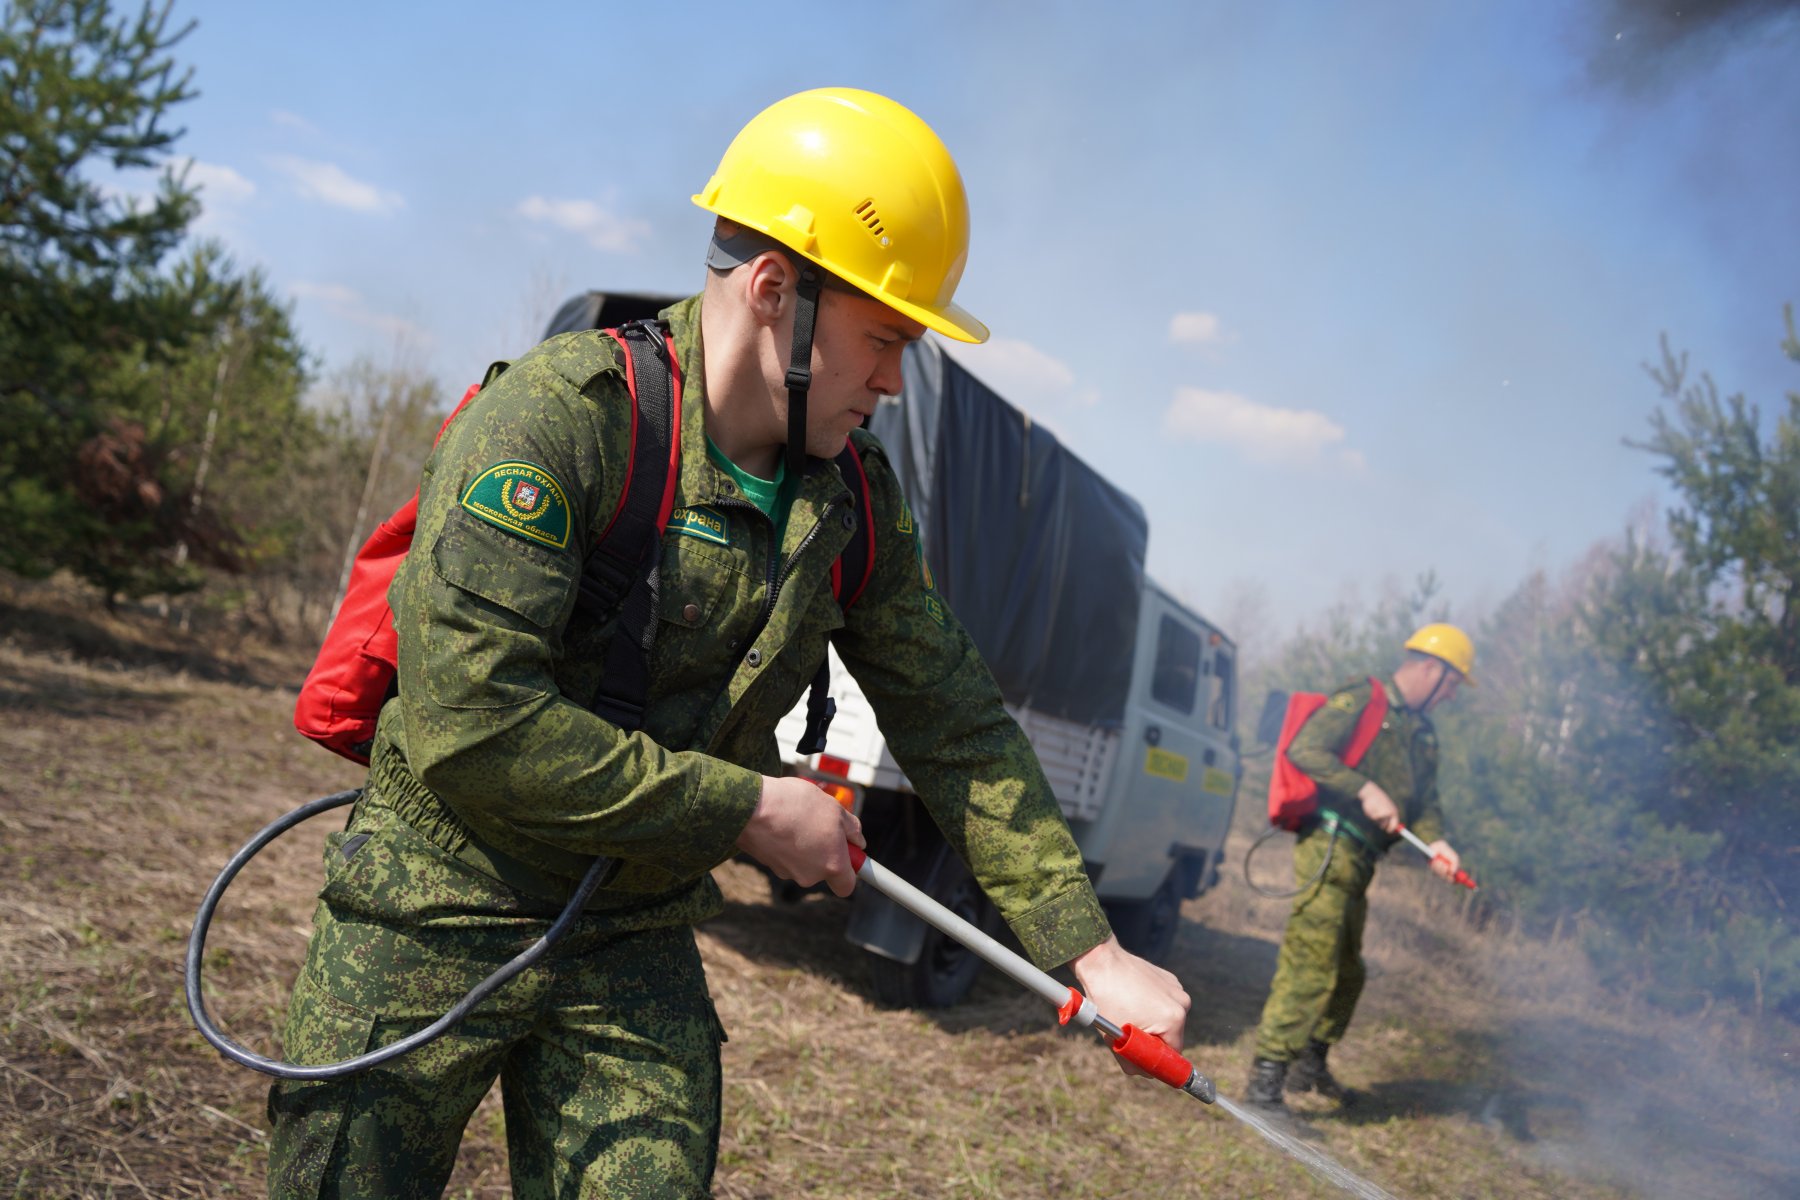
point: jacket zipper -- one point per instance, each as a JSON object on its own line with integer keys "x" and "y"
{"x": 776, "y": 579}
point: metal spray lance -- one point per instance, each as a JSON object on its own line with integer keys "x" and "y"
{"x": 1146, "y": 1051}
{"x": 1418, "y": 844}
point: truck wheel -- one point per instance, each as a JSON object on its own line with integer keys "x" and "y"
{"x": 945, "y": 970}
{"x": 1147, "y": 928}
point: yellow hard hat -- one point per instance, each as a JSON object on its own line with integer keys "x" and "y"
{"x": 1448, "y": 643}
{"x": 862, "y": 187}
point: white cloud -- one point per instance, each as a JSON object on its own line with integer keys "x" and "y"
{"x": 220, "y": 186}
{"x": 1197, "y": 328}
{"x": 282, "y": 116}
{"x": 326, "y": 293}
{"x": 347, "y": 304}
{"x": 1020, "y": 371}
{"x": 330, "y": 184}
{"x": 602, "y": 229}
{"x": 1262, "y": 432}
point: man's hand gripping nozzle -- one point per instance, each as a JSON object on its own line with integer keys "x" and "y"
{"x": 1147, "y": 1052}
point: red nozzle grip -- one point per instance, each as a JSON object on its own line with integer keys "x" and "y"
{"x": 857, "y": 856}
{"x": 1152, "y": 1055}
{"x": 1461, "y": 876}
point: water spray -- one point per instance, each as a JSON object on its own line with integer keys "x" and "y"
{"x": 1145, "y": 1051}
{"x": 1418, "y": 844}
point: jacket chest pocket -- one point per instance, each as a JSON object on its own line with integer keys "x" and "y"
{"x": 706, "y": 610}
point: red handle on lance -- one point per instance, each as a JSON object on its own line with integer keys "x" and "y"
{"x": 1461, "y": 876}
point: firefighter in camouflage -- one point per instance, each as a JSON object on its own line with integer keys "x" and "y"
{"x": 1319, "y": 973}
{"x": 492, "y": 786}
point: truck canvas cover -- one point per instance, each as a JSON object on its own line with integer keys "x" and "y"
{"x": 605, "y": 310}
{"x": 1041, "y": 559}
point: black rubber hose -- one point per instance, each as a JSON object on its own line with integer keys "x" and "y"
{"x": 1270, "y": 832}
{"x": 596, "y": 874}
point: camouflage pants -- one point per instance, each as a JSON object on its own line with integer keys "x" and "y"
{"x": 1319, "y": 974}
{"x": 607, "y": 1051}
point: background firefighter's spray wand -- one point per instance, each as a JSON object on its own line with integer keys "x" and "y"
{"x": 1145, "y": 1051}
{"x": 1461, "y": 875}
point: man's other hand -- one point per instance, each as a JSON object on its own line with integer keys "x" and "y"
{"x": 1129, "y": 990}
{"x": 1444, "y": 860}
{"x": 799, "y": 832}
{"x": 1378, "y": 806}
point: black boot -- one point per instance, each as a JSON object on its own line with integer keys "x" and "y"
{"x": 1310, "y": 1074}
{"x": 1264, "y": 1091}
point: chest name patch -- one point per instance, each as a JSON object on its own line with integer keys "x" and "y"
{"x": 523, "y": 499}
{"x": 702, "y": 523}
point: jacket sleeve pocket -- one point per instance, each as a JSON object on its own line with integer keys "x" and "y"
{"x": 530, "y": 581}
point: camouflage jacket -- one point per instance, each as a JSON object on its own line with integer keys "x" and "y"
{"x": 489, "y": 748}
{"x": 1403, "y": 760}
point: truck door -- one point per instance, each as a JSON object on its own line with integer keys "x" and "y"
{"x": 1176, "y": 775}
{"x": 1221, "y": 769}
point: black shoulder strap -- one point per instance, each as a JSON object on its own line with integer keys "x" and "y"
{"x": 622, "y": 574}
{"x": 850, "y": 575}
{"x": 856, "y": 564}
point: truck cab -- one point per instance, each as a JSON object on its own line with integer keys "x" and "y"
{"x": 1160, "y": 837}
{"x": 1149, "y": 804}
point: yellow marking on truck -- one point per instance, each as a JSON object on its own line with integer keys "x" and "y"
{"x": 1217, "y": 782}
{"x": 1166, "y": 764}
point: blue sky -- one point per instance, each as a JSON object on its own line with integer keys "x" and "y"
{"x": 1339, "y": 293}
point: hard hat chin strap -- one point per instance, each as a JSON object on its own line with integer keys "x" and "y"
{"x": 1444, "y": 669}
{"x": 799, "y": 374}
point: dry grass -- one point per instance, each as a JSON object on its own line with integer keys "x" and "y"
{"x": 133, "y": 761}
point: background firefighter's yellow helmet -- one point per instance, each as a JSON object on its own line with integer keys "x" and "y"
{"x": 1448, "y": 643}
{"x": 861, "y": 186}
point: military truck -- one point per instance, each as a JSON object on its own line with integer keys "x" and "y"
{"x": 1127, "y": 694}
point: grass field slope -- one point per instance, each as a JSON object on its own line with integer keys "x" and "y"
{"x": 135, "y": 757}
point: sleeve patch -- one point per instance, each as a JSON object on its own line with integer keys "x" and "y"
{"x": 934, "y": 607}
{"x": 523, "y": 499}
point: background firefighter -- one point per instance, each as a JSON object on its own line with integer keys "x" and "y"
{"x": 1319, "y": 973}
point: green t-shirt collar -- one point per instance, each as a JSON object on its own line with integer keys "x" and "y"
{"x": 761, "y": 492}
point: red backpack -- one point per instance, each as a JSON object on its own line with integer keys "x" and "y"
{"x": 1293, "y": 796}
{"x": 354, "y": 673}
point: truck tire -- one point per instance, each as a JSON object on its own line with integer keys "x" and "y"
{"x": 1147, "y": 928}
{"x": 945, "y": 970}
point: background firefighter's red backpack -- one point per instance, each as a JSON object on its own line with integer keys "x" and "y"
{"x": 1293, "y": 796}
{"x": 354, "y": 673}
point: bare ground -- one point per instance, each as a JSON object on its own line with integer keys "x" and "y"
{"x": 134, "y": 759}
